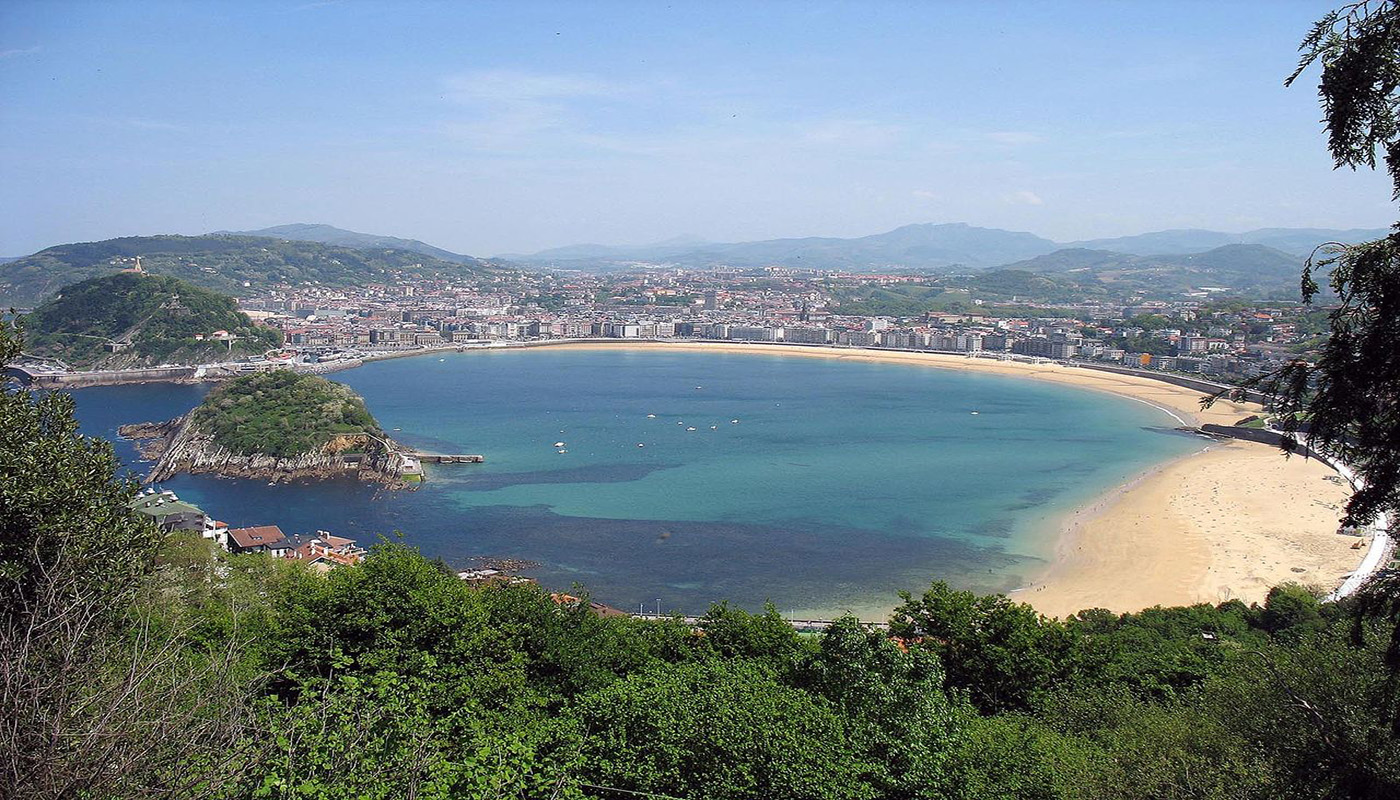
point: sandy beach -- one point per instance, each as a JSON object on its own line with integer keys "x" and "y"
{"x": 1228, "y": 522}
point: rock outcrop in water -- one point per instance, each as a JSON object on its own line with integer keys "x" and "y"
{"x": 177, "y": 446}
{"x": 277, "y": 426}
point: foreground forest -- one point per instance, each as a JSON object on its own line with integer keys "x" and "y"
{"x": 134, "y": 664}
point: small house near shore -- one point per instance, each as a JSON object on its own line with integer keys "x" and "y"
{"x": 260, "y": 539}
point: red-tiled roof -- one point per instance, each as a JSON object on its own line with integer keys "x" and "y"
{"x": 260, "y": 536}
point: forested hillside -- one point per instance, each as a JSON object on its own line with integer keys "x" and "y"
{"x": 236, "y": 265}
{"x": 132, "y": 319}
{"x": 1243, "y": 270}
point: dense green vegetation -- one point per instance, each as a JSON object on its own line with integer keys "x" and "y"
{"x": 157, "y": 316}
{"x": 233, "y": 265}
{"x": 955, "y": 294}
{"x": 1005, "y": 284}
{"x": 1249, "y": 270}
{"x": 281, "y": 413}
{"x": 895, "y": 300}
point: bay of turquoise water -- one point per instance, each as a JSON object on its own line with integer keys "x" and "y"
{"x": 840, "y": 484}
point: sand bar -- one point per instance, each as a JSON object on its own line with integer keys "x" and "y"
{"x": 1228, "y": 522}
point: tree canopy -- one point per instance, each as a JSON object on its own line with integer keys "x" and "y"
{"x": 1348, "y": 402}
{"x": 282, "y": 413}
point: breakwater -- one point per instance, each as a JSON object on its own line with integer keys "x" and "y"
{"x": 1260, "y": 435}
{"x": 77, "y": 380}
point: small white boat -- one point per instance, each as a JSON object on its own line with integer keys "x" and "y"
{"x": 699, "y": 387}
{"x": 714, "y": 427}
{"x": 442, "y": 359}
{"x": 690, "y": 429}
{"x": 562, "y": 451}
{"x": 639, "y": 444}
{"x": 680, "y": 423}
{"x": 975, "y": 413}
{"x": 733, "y": 422}
{"x": 651, "y": 416}
{"x": 558, "y": 444}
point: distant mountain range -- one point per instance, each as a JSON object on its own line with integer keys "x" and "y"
{"x": 1297, "y": 241}
{"x": 326, "y": 234}
{"x": 920, "y": 247}
{"x": 928, "y": 247}
{"x": 1264, "y": 261}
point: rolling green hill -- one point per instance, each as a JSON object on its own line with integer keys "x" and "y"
{"x": 1247, "y": 270}
{"x": 236, "y": 265}
{"x": 131, "y": 319}
{"x": 327, "y": 234}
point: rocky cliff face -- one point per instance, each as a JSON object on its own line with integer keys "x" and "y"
{"x": 179, "y": 447}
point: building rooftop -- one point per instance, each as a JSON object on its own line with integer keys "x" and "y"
{"x": 259, "y": 536}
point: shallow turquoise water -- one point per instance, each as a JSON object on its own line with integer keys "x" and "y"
{"x": 840, "y": 484}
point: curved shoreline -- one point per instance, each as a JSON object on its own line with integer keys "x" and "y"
{"x": 1229, "y": 521}
{"x": 1138, "y": 544}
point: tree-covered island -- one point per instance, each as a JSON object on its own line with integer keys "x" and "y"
{"x": 277, "y": 425}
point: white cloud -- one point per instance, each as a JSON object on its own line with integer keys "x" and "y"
{"x": 1014, "y": 138}
{"x": 150, "y": 124}
{"x": 510, "y": 109}
{"x": 1024, "y": 197}
{"x": 924, "y": 194}
{"x": 21, "y": 51}
{"x": 511, "y": 86}
{"x": 853, "y": 133}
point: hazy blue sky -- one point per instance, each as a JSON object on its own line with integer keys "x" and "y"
{"x": 498, "y": 127}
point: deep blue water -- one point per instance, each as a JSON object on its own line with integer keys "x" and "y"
{"x": 840, "y": 484}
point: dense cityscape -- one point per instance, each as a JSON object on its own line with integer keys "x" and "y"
{"x": 1226, "y": 340}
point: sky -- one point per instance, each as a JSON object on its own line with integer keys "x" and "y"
{"x": 489, "y": 128}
